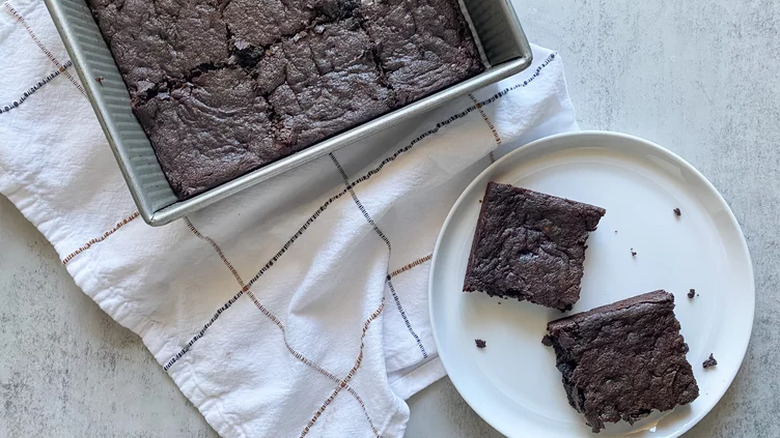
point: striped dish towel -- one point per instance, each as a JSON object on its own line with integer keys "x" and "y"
{"x": 297, "y": 307}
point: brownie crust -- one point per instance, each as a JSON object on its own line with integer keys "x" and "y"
{"x": 224, "y": 87}
{"x": 623, "y": 360}
{"x": 530, "y": 246}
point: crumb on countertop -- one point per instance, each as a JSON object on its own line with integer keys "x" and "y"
{"x": 480, "y": 343}
{"x": 677, "y": 212}
{"x": 691, "y": 293}
{"x": 710, "y": 362}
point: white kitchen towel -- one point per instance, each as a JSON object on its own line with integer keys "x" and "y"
{"x": 297, "y": 307}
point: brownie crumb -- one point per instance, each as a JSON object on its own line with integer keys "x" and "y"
{"x": 480, "y": 343}
{"x": 691, "y": 293}
{"x": 633, "y": 253}
{"x": 99, "y": 80}
{"x": 615, "y": 231}
{"x": 677, "y": 212}
{"x": 710, "y": 362}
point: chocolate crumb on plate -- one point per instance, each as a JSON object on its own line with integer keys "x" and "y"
{"x": 691, "y": 293}
{"x": 633, "y": 253}
{"x": 480, "y": 343}
{"x": 710, "y": 362}
{"x": 677, "y": 212}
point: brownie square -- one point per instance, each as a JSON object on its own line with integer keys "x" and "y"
{"x": 623, "y": 360}
{"x": 264, "y": 22}
{"x": 322, "y": 82}
{"x": 234, "y": 134}
{"x": 422, "y": 45}
{"x": 151, "y": 41}
{"x": 530, "y": 246}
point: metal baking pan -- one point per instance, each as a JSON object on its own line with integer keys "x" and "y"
{"x": 494, "y": 22}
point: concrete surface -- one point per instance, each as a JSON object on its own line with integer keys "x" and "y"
{"x": 699, "y": 77}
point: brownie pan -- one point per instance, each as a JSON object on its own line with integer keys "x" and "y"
{"x": 494, "y": 22}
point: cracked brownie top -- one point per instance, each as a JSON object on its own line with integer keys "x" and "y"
{"x": 222, "y": 87}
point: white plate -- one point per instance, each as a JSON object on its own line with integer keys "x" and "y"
{"x": 513, "y": 383}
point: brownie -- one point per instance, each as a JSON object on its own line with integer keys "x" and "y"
{"x": 709, "y": 362}
{"x": 322, "y": 82}
{"x": 266, "y": 22}
{"x": 239, "y": 139}
{"x": 623, "y": 360}
{"x": 154, "y": 40}
{"x": 530, "y": 246}
{"x": 224, "y": 87}
{"x": 422, "y": 45}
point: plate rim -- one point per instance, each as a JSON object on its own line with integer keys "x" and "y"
{"x": 626, "y": 137}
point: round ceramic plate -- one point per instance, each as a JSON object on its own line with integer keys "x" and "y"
{"x": 513, "y": 383}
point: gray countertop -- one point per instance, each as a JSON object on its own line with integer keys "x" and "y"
{"x": 699, "y": 77}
